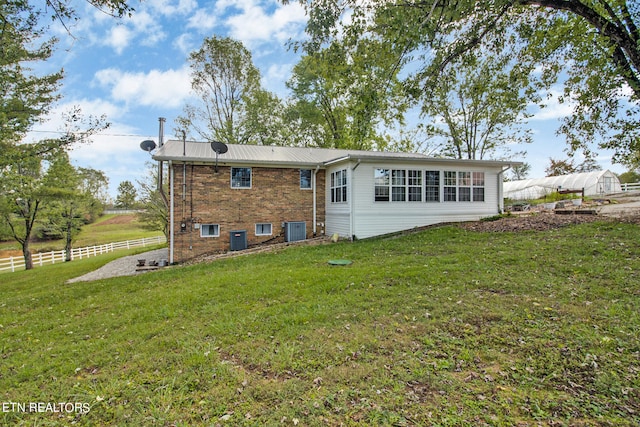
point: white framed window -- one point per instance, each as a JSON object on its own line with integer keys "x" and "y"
{"x": 381, "y": 180}
{"x": 450, "y": 186}
{"x": 398, "y": 185}
{"x": 464, "y": 186}
{"x": 414, "y": 182}
{"x": 264, "y": 229}
{"x": 305, "y": 179}
{"x": 339, "y": 186}
{"x": 210, "y": 230}
{"x": 240, "y": 177}
{"x": 432, "y": 186}
{"x": 478, "y": 186}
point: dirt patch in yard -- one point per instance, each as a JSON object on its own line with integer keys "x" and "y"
{"x": 542, "y": 221}
{"x": 118, "y": 219}
{"x": 530, "y": 222}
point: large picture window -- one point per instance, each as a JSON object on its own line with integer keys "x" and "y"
{"x": 339, "y": 186}
{"x": 240, "y": 177}
{"x": 412, "y": 185}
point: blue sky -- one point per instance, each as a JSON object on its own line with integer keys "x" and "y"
{"x": 135, "y": 70}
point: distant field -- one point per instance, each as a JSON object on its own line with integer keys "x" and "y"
{"x": 446, "y": 327}
{"x": 107, "y": 229}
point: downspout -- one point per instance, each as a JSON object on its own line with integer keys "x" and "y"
{"x": 352, "y": 224}
{"x": 161, "y": 121}
{"x": 171, "y": 213}
{"x": 501, "y": 189}
{"x": 315, "y": 207}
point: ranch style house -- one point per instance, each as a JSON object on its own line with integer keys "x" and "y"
{"x": 254, "y": 194}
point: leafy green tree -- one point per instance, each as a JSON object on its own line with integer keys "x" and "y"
{"x": 27, "y": 184}
{"x": 225, "y": 79}
{"x": 65, "y": 212}
{"x": 520, "y": 172}
{"x": 629, "y": 177}
{"x": 25, "y": 96}
{"x": 127, "y": 195}
{"x": 154, "y": 214}
{"x": 479, "y": 109}
{"x": 566, "y": 167}
{"x": 595, "y": 43}
{"x": 347, "y": 91}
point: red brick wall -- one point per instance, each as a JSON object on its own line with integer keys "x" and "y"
{"x": 274, "y": 197}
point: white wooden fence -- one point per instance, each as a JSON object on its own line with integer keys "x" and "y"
{"x": 41, "y": 258}
{"x": 631, "y": 186}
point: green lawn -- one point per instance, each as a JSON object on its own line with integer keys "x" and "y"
{"x": 445, "y": 327}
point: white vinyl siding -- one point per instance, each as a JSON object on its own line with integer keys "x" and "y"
{"x": 372, "y": 217}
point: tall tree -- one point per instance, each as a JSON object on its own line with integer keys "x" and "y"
{"x": 596, "y": 43}
{"x": 25, "y": 96}
{"x": 127, "y": 195}
{"x": 24, "y": 188}
{"x": 347, "y": 90}
{"x": 64, "y": 214}
{"x": 154, "y": 214}
{"x": 479, "y": 109}
{"x": 223, "y": 77}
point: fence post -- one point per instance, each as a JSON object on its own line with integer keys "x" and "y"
{"x": 13, "y": 267}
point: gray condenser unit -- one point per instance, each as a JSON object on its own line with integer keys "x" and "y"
{"x": 238, "y": 240}
{"x": 294, "y": 231}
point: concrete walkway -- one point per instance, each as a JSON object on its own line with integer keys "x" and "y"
{"x": 125, "y": 266}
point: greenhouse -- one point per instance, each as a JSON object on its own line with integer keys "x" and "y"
{"x": 596, "y": 183}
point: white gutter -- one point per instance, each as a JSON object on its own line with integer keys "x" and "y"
{"x": 352, "y": 224}
{"x": 171, "y": 213}
{"x": 501, "y": 188}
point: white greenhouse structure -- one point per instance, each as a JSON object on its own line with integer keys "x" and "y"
{"x": 596, "y": 183}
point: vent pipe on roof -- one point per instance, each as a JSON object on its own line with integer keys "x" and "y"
{"x": 161, "y": 121}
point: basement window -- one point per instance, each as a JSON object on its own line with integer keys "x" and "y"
{"x": 210, "y": 230}
{"x": 263, "y": 229}
{"x": 240, "y": 177}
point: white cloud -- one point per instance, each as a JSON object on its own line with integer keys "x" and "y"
{"x": 119, "y": 38}
{"x": 255, "y": 24}
{"x": 202, "y": 20}
{"x": 172, "y": 8}
{"x": 184, "y": 43}
{"x": 553, "y": 108}
{"x": 166, "y": 89}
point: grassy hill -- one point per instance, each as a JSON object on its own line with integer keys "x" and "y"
{"x": 447, "y": 327}
{"x": 107, "y": 229}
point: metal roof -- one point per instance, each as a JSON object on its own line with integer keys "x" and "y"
{"x": 192, "y": 151}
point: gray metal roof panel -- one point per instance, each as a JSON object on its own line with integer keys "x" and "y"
{"x": 192, "y": 151}
{"x": 237, "y": 153}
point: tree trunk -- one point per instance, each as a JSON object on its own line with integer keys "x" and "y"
{"x": 26, "y": 252}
